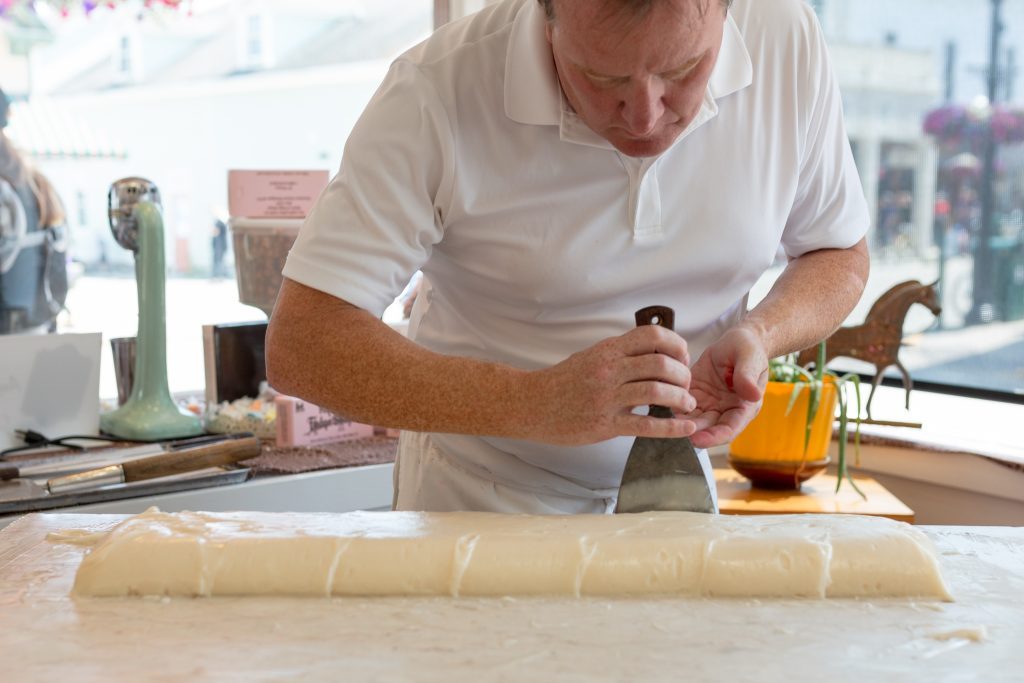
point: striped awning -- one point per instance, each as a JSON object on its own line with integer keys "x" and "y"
{"x": 43, "y": 129}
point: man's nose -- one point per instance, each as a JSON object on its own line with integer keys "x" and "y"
{"x": 643, "y": 106}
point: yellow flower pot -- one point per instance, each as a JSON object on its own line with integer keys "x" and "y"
{"x": 770, "y": 450}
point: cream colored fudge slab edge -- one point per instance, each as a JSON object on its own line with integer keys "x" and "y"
{"x": 483, "y": 554}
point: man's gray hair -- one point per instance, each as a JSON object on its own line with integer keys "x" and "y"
{"x": 638, "y": 7}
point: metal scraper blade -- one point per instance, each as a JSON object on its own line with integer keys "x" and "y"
{"x": 663, "y": 474}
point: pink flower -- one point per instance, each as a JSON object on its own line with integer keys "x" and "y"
{"x": 955, "y": 126}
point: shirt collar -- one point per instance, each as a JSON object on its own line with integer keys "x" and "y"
{"x": 532, "y": 92}
{"x": 534, "y": 96}
{"x": 733, "y": 71}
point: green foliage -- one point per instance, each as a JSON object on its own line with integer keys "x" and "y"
{"x": 785, "y": 369}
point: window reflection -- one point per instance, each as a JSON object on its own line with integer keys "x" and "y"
{"x": 921, "y": 111}
{"x": 180, "y": 96}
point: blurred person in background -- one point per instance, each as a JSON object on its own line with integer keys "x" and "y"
{"x": 219, "y": 242}
{"x": 33, "y": 242}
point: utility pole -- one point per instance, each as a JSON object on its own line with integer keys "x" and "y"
{"x": 1009, "y": 74}
{"x": 983, "y": 310}
{"x": 949, "y": 93}
{"x": 949, "y": 75}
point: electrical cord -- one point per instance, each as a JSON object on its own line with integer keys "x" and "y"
{"x": 34, "y": 439}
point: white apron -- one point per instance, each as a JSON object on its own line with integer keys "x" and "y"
{"x": 426, "y": 479}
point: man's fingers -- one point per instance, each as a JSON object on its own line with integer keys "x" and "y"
{"x": 716, "y": 429}
{"x": 655, "y": 427}
{"x": 714, "y": 436}
{"x": 703, "y": 421}
{"x": 649, "y": 393}
{"x": 654, "y": 367}
{"x": 749, "y": 380}
{"x": 654, "y": 339}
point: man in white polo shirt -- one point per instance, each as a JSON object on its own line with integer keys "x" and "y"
{"x": 551, "y": 168}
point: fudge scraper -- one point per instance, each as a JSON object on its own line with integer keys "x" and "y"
{"x": 663, "y": 474}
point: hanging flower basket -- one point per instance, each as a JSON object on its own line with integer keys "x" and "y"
{"x": 955, "y": 126}
{"x": 66, "y": 7}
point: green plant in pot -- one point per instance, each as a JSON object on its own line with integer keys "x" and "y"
{"x": 787, "y": 442}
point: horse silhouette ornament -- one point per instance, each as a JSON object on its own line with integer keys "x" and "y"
{"x": 878, "y": 339}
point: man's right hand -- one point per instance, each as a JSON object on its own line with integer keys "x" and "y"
{"x": 340, "y": 357}
{"x": 591, "y": 395}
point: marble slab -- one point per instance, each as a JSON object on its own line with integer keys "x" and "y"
{"x": 48, "y": 635}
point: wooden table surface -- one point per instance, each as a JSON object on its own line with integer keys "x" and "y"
{"x": 818, "y": 494}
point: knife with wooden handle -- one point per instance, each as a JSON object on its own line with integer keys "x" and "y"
{"x": 176, "y": 462}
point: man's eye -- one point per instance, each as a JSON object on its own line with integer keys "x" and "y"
{"x": 606, "y": 81}
{"x": 679, "y": 75}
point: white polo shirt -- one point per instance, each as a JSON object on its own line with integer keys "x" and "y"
{"x": 539, "y": 239}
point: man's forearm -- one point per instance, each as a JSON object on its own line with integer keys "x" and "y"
{"x": 342, "y": 358}
{"x": 810, "y": 299}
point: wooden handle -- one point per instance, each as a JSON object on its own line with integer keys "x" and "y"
{"x": 190, "y": 459}
{"x": 657, "y": 315}
{"x": 665, "y": 317}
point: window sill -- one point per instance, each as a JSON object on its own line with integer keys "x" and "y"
{"x": 967, "y": 444}
{"x": 949, "y": 424}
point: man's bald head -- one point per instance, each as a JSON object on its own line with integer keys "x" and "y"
{"x": 636, "y": 8}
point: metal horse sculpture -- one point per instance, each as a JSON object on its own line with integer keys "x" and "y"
{"x": 878, "y": 339}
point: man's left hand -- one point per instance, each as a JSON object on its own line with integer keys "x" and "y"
{"x": 728, "y": 381}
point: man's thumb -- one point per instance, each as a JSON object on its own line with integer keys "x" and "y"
{"x": 749, "y": 383}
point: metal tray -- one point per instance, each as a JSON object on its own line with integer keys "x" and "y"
{"x": 125, "y": 491}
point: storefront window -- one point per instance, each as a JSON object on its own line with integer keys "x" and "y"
{"x": 214, "y": 85}
{"x": 919, "y": 110}
{"x": 201, "y": 101}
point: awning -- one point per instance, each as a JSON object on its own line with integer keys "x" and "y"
{"x": 43, "y": 129}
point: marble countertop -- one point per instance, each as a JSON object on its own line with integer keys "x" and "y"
{"x": 50, "y": 636}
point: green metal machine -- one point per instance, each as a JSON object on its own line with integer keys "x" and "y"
{"x": 150, "y": 412}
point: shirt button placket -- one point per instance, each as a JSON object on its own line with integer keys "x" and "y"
{"x": 646, "y": 208}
